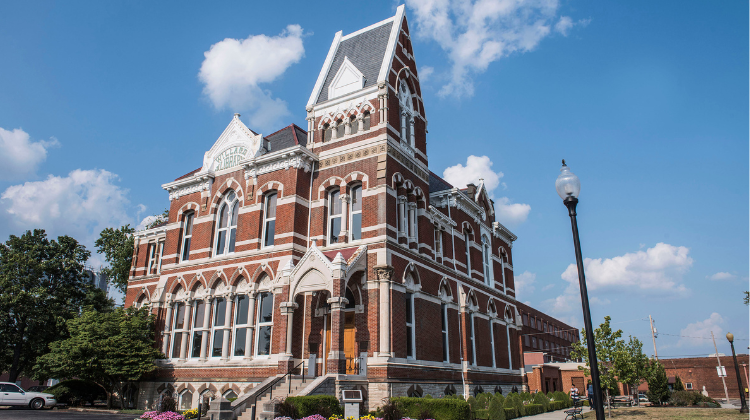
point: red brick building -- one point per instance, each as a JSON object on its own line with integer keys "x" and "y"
{"x": 699, "y": 372}
{"x": 335, "y": 245}
{"x": 541, "y": 333}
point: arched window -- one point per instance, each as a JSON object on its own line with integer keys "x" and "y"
{"x": 269, "y": 219}
{"x": 199, "y": 318}
{"x": 355, "y": 219}
{"x": 366, "y": 121}
{"x": 467, "y": 243}
{"x": 354, "y": 124}
{"x": 327, "y": 132}
{"x": 226, "y": 231}
{"x": 178, "y": 327}
{"x": 217, "y": 328}
{"x": 340, "y": 129}
{"x": 409, "y": 313}
{"x": 473, "y": 352}
{"x": 350, "y": 299}
{"x": 334, "y": 216}
{"x": 187, "y": 235}
{"x": 150, "y": 257}
{"x": 444, "y": 328}
{"x": 186, "y": 400}
{"x": 264, "y": 325}
{"x": 242, "y": 303}
{"x": 230, "y": 395}
{"x": 503, "y": 257}
{"x": 486, "y": 260}
{"x": 406, "y": 114}
{"x": 438, "y": 244}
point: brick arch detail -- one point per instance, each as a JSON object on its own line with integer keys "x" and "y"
{"x": 397, "y": 180}
{"x": 196, "y": 281}
{"x": 357, "y": 176}
{"x": 269, "y": 186}
{"x": 222, "y": 191}
{"x": 190, "y": 206}
{"x": 238, "y": 273}
{"x": 328, "y": 183}
{"x": 179, "y": 281}
{"x": 216, "y": 278}
{"x": 262, "y": 268}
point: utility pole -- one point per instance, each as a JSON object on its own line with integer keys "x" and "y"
{"x": 653, "y": 337}
{"x": 726, "y": 393}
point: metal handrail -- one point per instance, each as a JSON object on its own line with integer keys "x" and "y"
{"x": 263, "y": 391}
{"x": 289, "y": 373}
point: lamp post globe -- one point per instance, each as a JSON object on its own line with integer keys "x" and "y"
{"x": 743, "y": 401}
{"x": 568, "y": 187}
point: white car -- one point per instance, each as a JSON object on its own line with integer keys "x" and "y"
{"x": 12, "y": 394}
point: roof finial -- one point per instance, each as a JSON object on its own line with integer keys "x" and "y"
{"x": 236, "y": 115}
{"x": 563, "y": 162}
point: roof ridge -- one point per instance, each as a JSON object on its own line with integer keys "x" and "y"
{"x": 440, "y": 178}
{"x": 279, "y": 131}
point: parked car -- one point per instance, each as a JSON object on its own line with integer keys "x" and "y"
{"x": 12, "y": 394}
{"x": 37, "y": 388}
{"x": 642, "y": 399}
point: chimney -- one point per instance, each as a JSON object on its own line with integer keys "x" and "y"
{"x": 471, "y": 189}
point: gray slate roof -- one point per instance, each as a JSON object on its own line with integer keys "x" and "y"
{"x": 366, "y": 51}
{"x": 287, "y": 137}
{"x": 438, "y": 184}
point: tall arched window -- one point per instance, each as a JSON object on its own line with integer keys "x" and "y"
{"x": 406, "y": 114}
{"x": 240, "y": 325}
{"x": 444, "y": 329}
{"x": 409, "y": 313}
{"x": 327, "y": 132}
{"x": 355, "y": 220}
{"x": 334, "y": 216}
{"x": 467, "y": 245}
{"x": 187, "y": 235}
{"x": 179, "y": 326}
{"x": 366, "y": 121}
{"x": 226, "y": 231}
{"x": 473, "y": 352}
{"x": 264, "y": 325}
{"x": 340, "y": 129}
{"x": 269, "y": 219}
{"x": 354, "y": 124}
{"x": 217, "y": 328}
{"x": 186, "y": 400}
{"x": 486, "y": 260}
{"x": 199, "y": 315}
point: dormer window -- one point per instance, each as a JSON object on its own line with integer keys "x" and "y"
{"x": 406, "y": 114}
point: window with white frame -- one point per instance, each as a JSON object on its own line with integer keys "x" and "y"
{"x": 688, "y": 385}
{"x": 269, "y": 219}
{"x": 355, "y": 219}
{"x": 438, "y": 243}
{"x": 473, "y": 352}
{"x": 406, "y": 114}
{"x": 486, "y": 260}
{"x": 160, "y": 255}
{"x": 467, "y": 245}
{"x": 187, "y": 235}
{"x": 409, "y": 312}
{"x": 415, "y": 221}
{"x": 199, "y": 315}
{"x": 403, "y": 215}
{"x": 178, "y": 324}
{"x": 226, "y": 231}
{"x": 186, "y": 400}
{"x": 492, "y": 341}
{"x": 444, "y": 328}
{"x": 240, "y": 325}
{"x": 217, "y": 327}
{"x": 264, "y": 324}
{"x": 334, "y": 216}
{"x": 150, "y": 257}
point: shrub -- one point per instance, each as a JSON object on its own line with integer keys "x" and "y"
{"x": 76, "y": 392}
{"x": 496, "y": 410}
{"x": 168, "y": 404}
{"x": 391, "y": 411}
{"x": 191, "y": 414}
{"x": 542, "y": 400}
{"x": 435, "y": 408}
{"x": 532, "y": 409}
{"x": 511, "y": 413}
{"x": 483, "y": 414}
{"x": 287, "y": 408}
{"x": 513, "y": 400}
{"x": 483, "y": 400}
{"x": 325, "y": 405}
{"x": 473, "y": 403}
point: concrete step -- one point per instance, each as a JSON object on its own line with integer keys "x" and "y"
{"x": 265, "y": 408}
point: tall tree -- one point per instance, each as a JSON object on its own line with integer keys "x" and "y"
{"x": 608, "y": 345}
{"x": 109, "y": 348}
{"x": 42, "y": 284}
{"x": 117, "y": 247}
{"x": 631, "y": 364}
{"x": 658, "y": 387}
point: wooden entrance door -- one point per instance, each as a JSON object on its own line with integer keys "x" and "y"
{"x": 350, "y": 345}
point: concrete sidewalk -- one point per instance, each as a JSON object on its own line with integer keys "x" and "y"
{"x": 553, "y": 415}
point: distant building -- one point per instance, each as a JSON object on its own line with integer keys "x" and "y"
{"x": 699, "y": 372}
{"x": 96, "y": 278}
{"x": 544, "y": 334}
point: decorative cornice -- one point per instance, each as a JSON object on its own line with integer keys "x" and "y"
{"x": 195, "y": 183}
{"x": 297, "y": 157}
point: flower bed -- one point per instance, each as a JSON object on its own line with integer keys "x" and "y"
{"x": 166, "y": 415}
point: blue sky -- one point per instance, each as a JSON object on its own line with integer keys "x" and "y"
{"x": 102, "y": 102}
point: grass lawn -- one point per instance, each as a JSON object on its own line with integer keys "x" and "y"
{"x": 659, "y": 413}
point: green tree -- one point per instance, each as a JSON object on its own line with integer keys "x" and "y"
{"x": 108, "y": 348}
{"x": 42, "y": 284}
{"x": 631, "y": 364}
{"x": 678, "y": 386}
{"x": 159, "y": 220}
{"x": 608, "y": 346}
{"x": 117, "y": 247}
{"x": 747, "y": 298}
{"x": 658, "y": 389}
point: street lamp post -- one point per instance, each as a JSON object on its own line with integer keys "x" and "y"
{"x": 568, "y": 187}
{"x": 743, "y": 402}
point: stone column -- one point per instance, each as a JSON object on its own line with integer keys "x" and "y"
{"x": 403, "y": 127}
{"x": 227, "y": 327}
{"x": 402, "y": 230}
{"x": 337, "y": 354}
{"x": 361, "y": 122}
{"x": 250, "y": 325}
{"x": 412, "y": 222}
{"x": 167, "y": 328}
{"x": 347, "y": 128}
{"x": 384, "y": 274}
{"x": 185, "y": 329}
{"x": 344, "y": 235}
{"x": 287, "y": 308}
{"x": 412, "y": 142}
{"x": 206, "y": 320}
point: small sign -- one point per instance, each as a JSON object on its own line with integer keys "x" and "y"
{"x": 353, "y": 395}
{"x": 722, "y": 371}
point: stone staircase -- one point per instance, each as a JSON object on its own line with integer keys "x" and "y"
{"x": 266, "y": 402}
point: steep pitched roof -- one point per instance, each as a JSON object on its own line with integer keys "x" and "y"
{"x": 365, "y": 50}
{"x": 188, "y": 174}
{"x": 438, "y": 184}
{"x": 288, "y": 136}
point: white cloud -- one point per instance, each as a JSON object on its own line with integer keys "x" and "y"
{"x": 547, "y": 287}
{"x": 19, "y": 156}
{"x": 565, "y": 24}
{"x": 524, "y": 284}
{"x": 425, "y": 73}
{"x": 697, "y": 333}
{"x": 475, "y": 33}
{"x": 80, "y": 204}
{"x": 480, "y": 167}
{"x": 234, "y": 69}
{"x": 721, "y": 276}
{"x": 658, "y": 269}
{"x": 145, "y": 222}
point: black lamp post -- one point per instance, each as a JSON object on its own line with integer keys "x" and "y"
{"x": 743, "y": 409}
{"x": 568, "y": 187}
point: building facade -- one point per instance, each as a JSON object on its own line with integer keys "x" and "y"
{"x": 334, "y": 245}
{"x": 545, "y": 335}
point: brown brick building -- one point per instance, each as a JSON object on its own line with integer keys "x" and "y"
{"x": 699, "y": 372}
{"x": 541, "y": 333}
{"x": 336, "y": 246}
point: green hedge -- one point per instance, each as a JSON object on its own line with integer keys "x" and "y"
{"x": 316, "y": 404}
{"x": 77, "y": 392}
{"x": 532, "y": 409}
{"x": 438, "y": 408}
{"x": 482, "y": 414}
{"x": 511, "y": 413}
